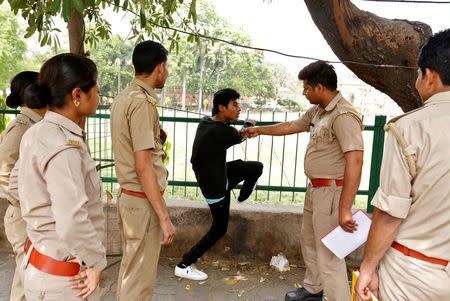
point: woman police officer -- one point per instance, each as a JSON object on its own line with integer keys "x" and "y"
{"x": 32, "y": 110}
{"x": 59, "y": 187}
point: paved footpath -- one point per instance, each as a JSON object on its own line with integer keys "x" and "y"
{"x": 242, "y": 281}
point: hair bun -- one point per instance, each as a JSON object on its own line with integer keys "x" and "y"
{"x": 36, "y": 96}
{"x": 13, "y": 100}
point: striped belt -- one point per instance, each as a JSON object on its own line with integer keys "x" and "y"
{"x": 325, "y": 182}
{"x": 138, "y": 194}
{"x": 408, "y": 252}
{"x": 49, "y": 265}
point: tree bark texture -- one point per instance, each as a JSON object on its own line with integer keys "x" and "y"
{"x": 357, "y": 35}
{"x": 76, "y": 32}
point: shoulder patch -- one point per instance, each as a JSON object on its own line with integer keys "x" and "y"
{"x": 73, "y": 142}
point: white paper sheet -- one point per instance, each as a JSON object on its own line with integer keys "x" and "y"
{"x": 342, "y": 243}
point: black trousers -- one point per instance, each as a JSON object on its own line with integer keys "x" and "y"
{"x": 237, "y": 171}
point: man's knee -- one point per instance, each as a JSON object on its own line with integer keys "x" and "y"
{"x": 258, "y": 168}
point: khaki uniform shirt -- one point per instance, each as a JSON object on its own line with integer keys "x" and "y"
{"x": 60, "y": 191}
{"x": 423, "y": 202}
{"x": 135, "y": 127}
{"x": 334, "y": 130}
{"x": 9, "y": 147}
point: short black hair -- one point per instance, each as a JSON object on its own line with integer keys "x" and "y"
{"x": 223, "y": 97}
{"x": 147, "y": 55}
{"x": 319, "y": 72}
{"x": 18, "y": 85}
{"x": 435, "y": 55}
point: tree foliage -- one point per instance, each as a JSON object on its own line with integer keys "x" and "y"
{"x": 222, "y": 65}
{"x": 113, "y": 59}
{"x": 12, "y": 47}
{"x": 40, "y": 16}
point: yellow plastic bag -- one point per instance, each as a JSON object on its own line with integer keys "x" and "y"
{"x": 355, "y": 275}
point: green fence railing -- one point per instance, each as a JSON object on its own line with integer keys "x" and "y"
{"x": 283, "y": 180}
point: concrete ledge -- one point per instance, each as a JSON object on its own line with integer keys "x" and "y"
{"x": 255, "y": 231}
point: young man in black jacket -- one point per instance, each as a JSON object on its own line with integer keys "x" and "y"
{"x": 215, "y": 176}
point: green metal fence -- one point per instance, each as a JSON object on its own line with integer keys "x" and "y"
{"x": 283, "y": 180}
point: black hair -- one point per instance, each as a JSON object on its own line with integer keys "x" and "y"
{"x": 319, "y": 72}
{"x": 60, "y": 75}
{"x": 223, "y": 97}
{"x": 18, "y": 85}
{"x": 147, "y": 55}
{"x": 435, "y": 55}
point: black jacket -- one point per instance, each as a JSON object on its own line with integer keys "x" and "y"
{"x": 209, "y": 154}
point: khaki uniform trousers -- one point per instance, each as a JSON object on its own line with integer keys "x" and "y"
{"x": 141, "y": 237}
{"x": 16, "y": 232}
{"x": 323, "y": 269}
{"x": 40, "y": 286}
{"x": 406, "y": 278}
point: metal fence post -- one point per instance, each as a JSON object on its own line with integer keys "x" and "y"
{"x": 377, "y": 157}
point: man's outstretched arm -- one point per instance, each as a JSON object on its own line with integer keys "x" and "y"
{"x": 280, "y": 129}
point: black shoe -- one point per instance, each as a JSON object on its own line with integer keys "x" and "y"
{"x": 303, "y": 295}
{"x": 241, "y": 199}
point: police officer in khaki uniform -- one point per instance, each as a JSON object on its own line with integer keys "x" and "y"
{"x": 59, "y": 187}
{"x": 333, "y": 163}
{"x": 138, "y": 153}
{"x": 30, "y": 113}
{"x": 409, "y": 238}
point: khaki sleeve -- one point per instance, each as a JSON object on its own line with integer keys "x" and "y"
{"x": 14, "y": 183}
{"x": 348, "y": 132}
{"x": 9, "y": 154}
{"x": 66, "y": 186}
{"x": 141, "y": 124}
{"x": 304, "y": 121}
{"x": 394, "y": 194}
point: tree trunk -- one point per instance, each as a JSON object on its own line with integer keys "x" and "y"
{"x": 183, "y": 93}
{"x": 357, "y": 35}
{"x": 76, "y": 32}
{"x": 200, "y": 92}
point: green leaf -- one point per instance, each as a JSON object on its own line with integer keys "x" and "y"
{"x": 78, "y": 5}
{"x": 90, "y": 2}
{"x": 44, "y": 40}
{"x": 116, "y": 2}
{"x": 56, "y": 5}
{"x": 30, "y": 31}
{"x": 67, "y": 9}
{"x": 125, "y": 5}
{"x": 143, "y": 19}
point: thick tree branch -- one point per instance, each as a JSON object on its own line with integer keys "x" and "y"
{"x": 357, "y": 35}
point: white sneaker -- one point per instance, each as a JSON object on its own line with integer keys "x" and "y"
{"x": 190, "y": 272}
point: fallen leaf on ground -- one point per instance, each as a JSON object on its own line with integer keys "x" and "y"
{"x": 262, "y": 279}
{"x": 11, "y": 255}
{"x": 215, "y": 263}
{"x": 231, "y": 282}
{"x": 298, "y": 285}
{"x": 225, "y": 269}
{"x": 282, "y": 277}
{"x": 241, "y": 293}
{"x": 203, "y": 282}
{"x": 188, "y": 287}
{"x": 244, "y": 263}
{"x": 293, "y": 265}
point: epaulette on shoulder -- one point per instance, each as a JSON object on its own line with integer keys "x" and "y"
{"x": 408, "y": 150}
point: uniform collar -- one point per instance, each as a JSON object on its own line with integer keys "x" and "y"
{"x": 437, "y": 98}
{"x": 35, "y": 117}
{"x": 64, "y": 122}
{"x": 150, "y": 91}
{"x": 333, "y": 102}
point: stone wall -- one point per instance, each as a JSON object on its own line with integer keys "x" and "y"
{"x": 255, "y": 232}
